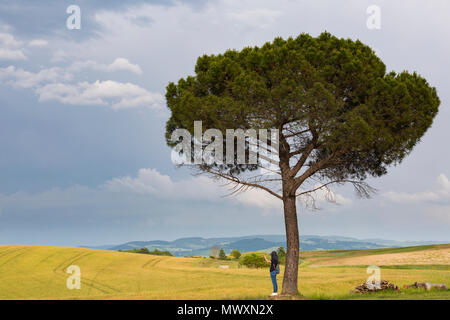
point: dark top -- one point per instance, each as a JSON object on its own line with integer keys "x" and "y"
{"x": 273, "y": 264}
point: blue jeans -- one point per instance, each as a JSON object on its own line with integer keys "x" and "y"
{"x": 273, "y": 276}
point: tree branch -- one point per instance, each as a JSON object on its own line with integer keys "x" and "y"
{"x": 315, "y": 167}
{"x": 305, "y": 154}
{"x": 243, "y": 183}
{"x": 362, "y": 188}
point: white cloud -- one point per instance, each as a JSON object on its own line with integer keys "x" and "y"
{"x": 52, "y": 85}
{"x": 118, "y": 95}
{"x": 10, "y": 48}
{"x": 441, "y": 194}
{"x": 260, "y": 199}
{"x": 119, "y": 64}
{"x": 59, "y": 56}
{"x": 258, "y": 17}
{"x": 123, "y": 64}
{"x": 17, "y": 77}
{"x": 8, "y": 40}
{"x": 440, "y": 213}
{"x": 150, "y": 181}
{"x": 52, "y": 198}
{"x": 147, "y": 182}
{"x": 38, "y": 43}
{"x": 8, "y": 54}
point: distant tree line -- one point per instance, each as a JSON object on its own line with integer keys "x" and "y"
{"x": 146, "y": 251}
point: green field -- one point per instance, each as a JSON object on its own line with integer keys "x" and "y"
{"x": 39, "y": 272}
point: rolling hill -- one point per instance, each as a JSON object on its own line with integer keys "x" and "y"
{"x": 197, "y": 246}
{"x": 39, "y": 272}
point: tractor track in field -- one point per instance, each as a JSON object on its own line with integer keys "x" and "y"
{"x": 91, "y": 283}
{"x": 8, "y": 251}
{"x": 151, "y": 263}
{"x": 94, "y": 281}
{"x": 21, "y": 252}
{"x": 9, "y": 293}
{"x": 70, "y": 261}
{"x": 46, "y": 258}
{"x": 5, "y": 250}
{"x": 59, "y": 270}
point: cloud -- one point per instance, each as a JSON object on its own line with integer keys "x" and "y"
{"x": 59, "y": 56}
{"x": 52, "y": 198}
{"x": 123, "y": 64}
{"x": 10, "y": 48}
{"x": 8, "y": 54}
{"x": 38, "y": 43}
{"x": 118, "y": 95}
{"x": 8, "y": 40}
{"x": 258, "y": 17}
{"x": 440, "y": 213}
{"x": 119, "y": 64}
{"x": 147, "y": 182}
{"x": 260, "y": 199}
{"x": 150, "y": 181}
{"x": 20, "y": 78}
{"x": 442, "y": 194}
{"x": 52, "y": 84}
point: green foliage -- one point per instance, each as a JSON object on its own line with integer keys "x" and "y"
{"x": 253, "y": 260}
{"x": 222, "y": 254}
{"x": 236, "y": 254}
{"x": 155, "y": 252}
{"x": 281, "y": 255}
{"x": 333, "y": 94}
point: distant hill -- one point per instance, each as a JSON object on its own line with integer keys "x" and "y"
{"x": 197, "y": 246}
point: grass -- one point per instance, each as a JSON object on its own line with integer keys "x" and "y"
{"x": 38, "y": 272}
{"x": 365, "y": 252}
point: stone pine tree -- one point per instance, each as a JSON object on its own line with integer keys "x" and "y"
{"x": 341, "y": 118}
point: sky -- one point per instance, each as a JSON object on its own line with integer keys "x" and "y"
{"x": 83, "y": 158}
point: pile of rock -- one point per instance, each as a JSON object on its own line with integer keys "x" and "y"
{"x": 368, "y": 287}
{"x": 426, "y": 285}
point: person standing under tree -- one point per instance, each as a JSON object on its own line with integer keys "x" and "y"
{"x": 274, "y": 270}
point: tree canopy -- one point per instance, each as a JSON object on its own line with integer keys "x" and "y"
{"x": 340, "y": 116}
{"x": 328, "y": 95}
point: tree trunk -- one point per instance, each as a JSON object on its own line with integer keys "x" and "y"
{"x": 292, "y": 253}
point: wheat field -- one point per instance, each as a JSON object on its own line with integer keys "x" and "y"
{"x": 39, "y": 272}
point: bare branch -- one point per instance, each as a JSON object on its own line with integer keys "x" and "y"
{"x": 293, "y": 134}
{"x": 243, "y": 184}
{"x": 305, "y": 154}
{"x": 316, "y": 167}
{"x": 363, "y": 189}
